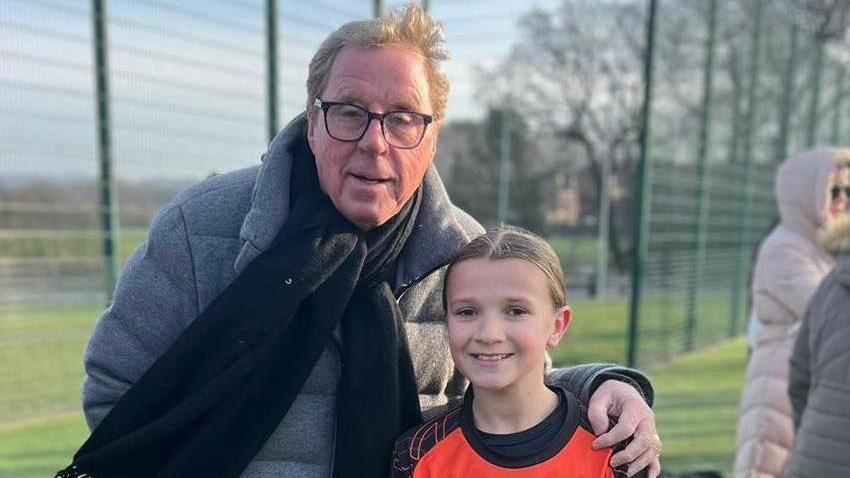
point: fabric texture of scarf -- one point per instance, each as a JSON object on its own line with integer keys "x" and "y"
{"x": 210, "y": 402}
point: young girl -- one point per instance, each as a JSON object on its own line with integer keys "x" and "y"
{"x": 506, "y": 306}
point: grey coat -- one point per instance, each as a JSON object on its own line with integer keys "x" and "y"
{"x": 820, "y": 376}
{"x": 205, "y": 238}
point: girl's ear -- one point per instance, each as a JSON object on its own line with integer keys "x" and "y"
{"x": 563, "y": 320}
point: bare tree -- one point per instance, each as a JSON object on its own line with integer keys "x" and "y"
{"x": 575, "y": 74}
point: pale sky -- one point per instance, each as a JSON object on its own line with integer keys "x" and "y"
{"x": 188, "y": 77}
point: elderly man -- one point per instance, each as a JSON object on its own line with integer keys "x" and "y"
{"x": 285, "y": 320}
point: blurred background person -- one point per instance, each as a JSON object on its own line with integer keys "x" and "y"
{"x": 789, "y": 267}
{"x": 819, "y": 381}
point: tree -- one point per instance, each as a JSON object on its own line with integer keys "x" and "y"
{"x": 576, "y": 74}
{"x": 474, "y": 183}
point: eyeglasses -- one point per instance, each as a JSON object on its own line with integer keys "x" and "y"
{"x": 837, "y": 190}
{"x": 348, "y": 122}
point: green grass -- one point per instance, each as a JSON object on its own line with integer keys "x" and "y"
{"x": 86, "y": 243}
{"x": 39, "y": 449}
{"x": 696, "y": 404}
{"x": 41, "y": 374}
{"x": 41, "y": 353}
{"x": 600, "y": 330}
{"x": 575, "y": 251}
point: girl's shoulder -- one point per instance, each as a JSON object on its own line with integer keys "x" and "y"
{"x": 414, "y": 444}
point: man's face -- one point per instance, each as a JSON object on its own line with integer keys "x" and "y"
{"x": 369, "y": 181}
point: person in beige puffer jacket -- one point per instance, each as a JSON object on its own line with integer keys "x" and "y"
{"x": 789, "y": 267}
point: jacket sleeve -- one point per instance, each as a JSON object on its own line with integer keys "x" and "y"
{"x": 583, "y": 380}
{"x": 155, "y": 300}
{"x": 799, "y": 379}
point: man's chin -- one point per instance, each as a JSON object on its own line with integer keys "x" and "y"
{"x": 368, "y": 220}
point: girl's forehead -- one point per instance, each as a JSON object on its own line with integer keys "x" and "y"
{"x": 510, "y": 264}
{"x": 490, "y": 275}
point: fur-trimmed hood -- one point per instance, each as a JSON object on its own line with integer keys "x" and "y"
{"x": 801, "y": 188}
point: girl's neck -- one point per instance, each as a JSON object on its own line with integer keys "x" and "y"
{"x": 512, "y": 410}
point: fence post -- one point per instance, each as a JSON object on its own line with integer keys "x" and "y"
{"x": 839, "y": 101}
{"x": 377, "y": 8}
{"x": 271, "y": 65}
{"x": 604, "y": 218}
{"x": 108, "y": 198}
{"x": 812, "y": 129}
{"x": 743, "y": 264}
{"x": 426, "y": 5}
{"x": 644, "y": 189}
{"x": 695, "y": 284}
{"x": 787, "y": 94}
{"x": 505, "y": 141}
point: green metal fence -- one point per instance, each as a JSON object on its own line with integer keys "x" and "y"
{"x": 109, "y": 108}
{"x": 737, "y": 87}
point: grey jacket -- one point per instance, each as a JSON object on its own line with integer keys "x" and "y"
{"x": 820, "y": 375}
{"x": 205, "y": 238}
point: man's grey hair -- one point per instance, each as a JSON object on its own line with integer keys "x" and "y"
{"x": 409, "y": 28}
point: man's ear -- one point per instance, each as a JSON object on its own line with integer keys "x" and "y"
{"x": 563, "y": 320}
{"x": 311, "y": 126}
{"x": 436, "y": 134}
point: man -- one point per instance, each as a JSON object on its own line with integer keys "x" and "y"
{"x": 286, "y": 320}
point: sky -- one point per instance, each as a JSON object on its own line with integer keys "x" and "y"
{"x": 188, "y": 79}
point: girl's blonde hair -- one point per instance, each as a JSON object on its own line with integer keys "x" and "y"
{"x": 410, "y": 28}
{"x": 510, "y": 242}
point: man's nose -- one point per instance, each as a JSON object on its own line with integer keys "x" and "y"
{"x": 373, "y": 140}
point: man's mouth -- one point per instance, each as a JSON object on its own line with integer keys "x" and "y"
{"x": 369, "y": 180}
{"x": 491, "y": 357}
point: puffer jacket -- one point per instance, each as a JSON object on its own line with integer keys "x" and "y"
{"x": 820, "y": 373}
{"x": 208, "y": 235}
{"x": 789, "y": 267}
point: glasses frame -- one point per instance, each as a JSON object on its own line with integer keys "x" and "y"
{"x": 325, "y": 105}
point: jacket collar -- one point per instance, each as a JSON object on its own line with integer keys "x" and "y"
{"x": 436, "y": 237}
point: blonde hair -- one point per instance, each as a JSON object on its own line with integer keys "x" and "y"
{"x": 510, "y": 242}
{"x": 410, "y": 28}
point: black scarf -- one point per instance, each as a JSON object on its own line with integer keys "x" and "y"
{"x": 210, "y": 402}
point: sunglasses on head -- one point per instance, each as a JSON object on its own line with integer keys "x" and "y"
{"x": 837, "y": 190}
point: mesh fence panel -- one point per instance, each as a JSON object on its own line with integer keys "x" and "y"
{"x": 542, "y": 130}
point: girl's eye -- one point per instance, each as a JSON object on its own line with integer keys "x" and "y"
{"x": 516, "y": 311}
{"x": 465, "y": 312}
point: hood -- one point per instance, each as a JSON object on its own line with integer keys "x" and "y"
{"x": 801, "y": 188}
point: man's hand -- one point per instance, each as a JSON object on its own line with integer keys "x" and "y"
{"x": 634, "y": 419}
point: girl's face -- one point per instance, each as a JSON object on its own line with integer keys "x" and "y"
{"x": 501, "y": 320}
{"x": 838, "y": 193}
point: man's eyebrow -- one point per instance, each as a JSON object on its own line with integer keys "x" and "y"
{"x": 349, "y": 98}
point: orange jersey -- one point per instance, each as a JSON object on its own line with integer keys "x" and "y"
{"x": 448, "y": 446}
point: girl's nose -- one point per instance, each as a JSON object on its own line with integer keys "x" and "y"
{"x": 489, "y": 330}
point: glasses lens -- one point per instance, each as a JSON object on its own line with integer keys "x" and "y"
{"x": 836, "y": 191}
{"x": 404, "y": 129}
{"x": 346, "y": 122}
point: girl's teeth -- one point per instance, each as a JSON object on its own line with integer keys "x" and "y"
{"x": 492, "y": 357}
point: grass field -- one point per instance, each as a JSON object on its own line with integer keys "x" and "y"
{"x": 41, "y": 373}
